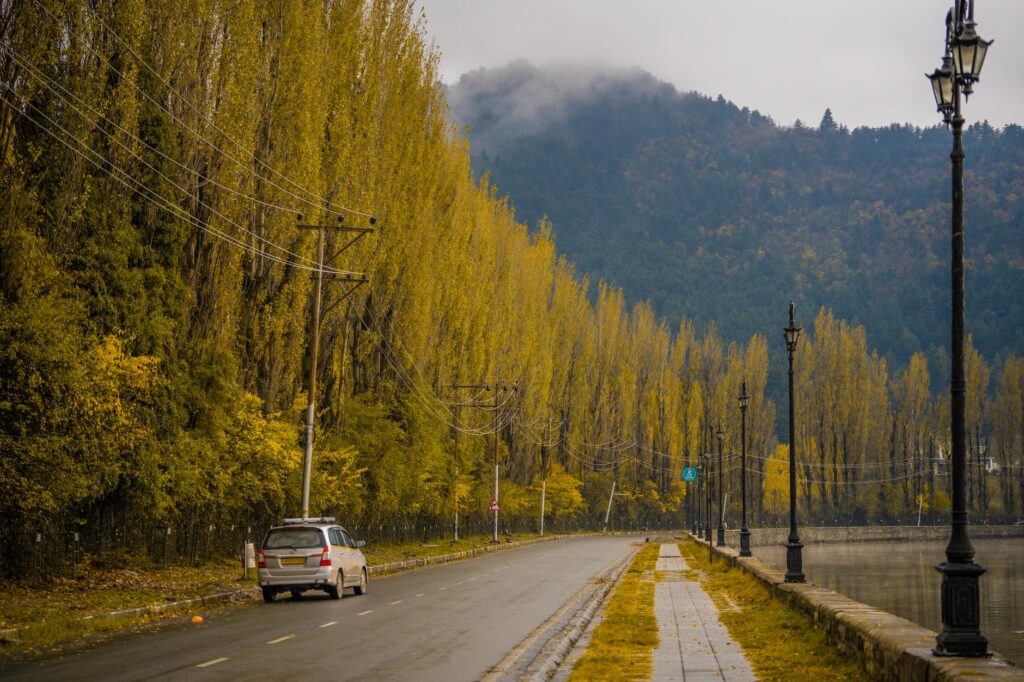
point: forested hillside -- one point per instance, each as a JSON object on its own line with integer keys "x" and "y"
{"x": 156, "y": 297}
{"x": 713, "y": 212}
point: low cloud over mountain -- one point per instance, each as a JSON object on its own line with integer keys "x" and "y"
{"x": 520, "y": 99}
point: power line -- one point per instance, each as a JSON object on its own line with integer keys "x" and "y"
{"x": 174, "y": 184}
{"x": 427, "y": 397}
{"x": 108, "y": 167}
{"x": 49, "y": 83}
{"x": 318, "y": 202}
{"x": 864, "y": 481}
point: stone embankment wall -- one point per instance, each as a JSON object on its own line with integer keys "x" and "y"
{"x": 760, "y": 537}
{"x": 889, "y": 647}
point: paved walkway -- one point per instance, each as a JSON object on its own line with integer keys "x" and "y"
{"x": 695, "y": 646}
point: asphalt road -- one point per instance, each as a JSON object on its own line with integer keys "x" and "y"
{"x": 446, "y": 622}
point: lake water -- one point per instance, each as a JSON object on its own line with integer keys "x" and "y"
{"x": 900, "y": 577}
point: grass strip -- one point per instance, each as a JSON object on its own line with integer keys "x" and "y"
{"x": 622, "y": 644}
{"x": 780, "y": 642}
{"x": 44, "y": 619}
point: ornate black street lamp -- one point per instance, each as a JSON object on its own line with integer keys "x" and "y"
{"x": 708, "y": 480}
{"x": 688, "y": 519}
{"x": 691, "y": 516}
{"x": 698, "y": 523}
{"x": 744, "y": 530}
{"x": 794, "y": 557}
{"x": 721, "y": 509}
{"x": 700, "y": 495}
{"x": 693, "y": 501}
{"x": 961, "y": 611}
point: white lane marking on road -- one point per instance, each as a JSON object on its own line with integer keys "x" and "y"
{"x": 213, "y": 662}
{"x": 365, "y": 612}
{"x": 327, "y": 625}
{"x": 441, "y": 589}
{"x": 397, "y": 601}
{"x": 422, "y": 594}
{"x": 280, "y": 639}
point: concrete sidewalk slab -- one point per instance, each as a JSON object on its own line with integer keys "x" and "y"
{"x": 695, "y": 646}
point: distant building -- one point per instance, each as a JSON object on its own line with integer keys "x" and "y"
{"x": 940, "y": 464}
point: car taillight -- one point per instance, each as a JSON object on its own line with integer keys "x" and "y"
{"x": 325, "y": 558}
{"x": 263, "y": 561}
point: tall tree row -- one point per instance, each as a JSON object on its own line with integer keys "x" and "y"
{"x": 874, "y": 446}
{"x": 157, "y": 291}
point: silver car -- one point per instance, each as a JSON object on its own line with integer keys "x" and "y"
{"x": 311, "y": 554}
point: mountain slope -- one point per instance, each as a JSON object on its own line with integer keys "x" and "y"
{"x": 715, "y": 213}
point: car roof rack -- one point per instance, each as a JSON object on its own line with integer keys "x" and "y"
{"x": 316, "y": 519}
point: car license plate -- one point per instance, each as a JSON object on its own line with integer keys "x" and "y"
{"x": 293, "y": 561}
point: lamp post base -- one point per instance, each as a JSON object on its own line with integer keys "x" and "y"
{"x": 745, "y": 541}
{"x": 721, "y": 537}
{"x": 961, "y": 613}
{"x": 794, "y": 562}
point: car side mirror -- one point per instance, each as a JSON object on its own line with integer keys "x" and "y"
{"x": 360, "y": 544}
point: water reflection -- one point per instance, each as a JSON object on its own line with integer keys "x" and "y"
{"x": 900, "y": 577}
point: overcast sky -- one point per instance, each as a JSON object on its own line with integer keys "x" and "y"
{"x": 790, "y": 59}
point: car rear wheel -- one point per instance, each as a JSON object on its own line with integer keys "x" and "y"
{"x": 364, "y": 583}
{"x": 339, "y": 587}
{"x": 268, "y": 595}
{"x": 296, "y": 594}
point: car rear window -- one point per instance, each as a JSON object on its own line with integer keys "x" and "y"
{"x": 294, "y": 538}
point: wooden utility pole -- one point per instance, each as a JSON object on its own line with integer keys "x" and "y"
{"x": 357, "y": 280}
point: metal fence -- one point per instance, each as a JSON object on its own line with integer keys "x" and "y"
{"x": 408, "y": 531}
{"x": 58, "y": 551}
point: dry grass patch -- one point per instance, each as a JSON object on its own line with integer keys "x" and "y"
{"x": 37, "y": 618}
{"x": 781, "y": 643}
{"x": 621, "y": 646}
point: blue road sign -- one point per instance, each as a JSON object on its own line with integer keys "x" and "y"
{"x": 689, "y": 474}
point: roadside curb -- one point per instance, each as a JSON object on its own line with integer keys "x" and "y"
{"x": 565, "y": 646}
{"x": 170, "y": 606}
{"x": 396, "y": 566}
{"x": 153, "y": 608}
